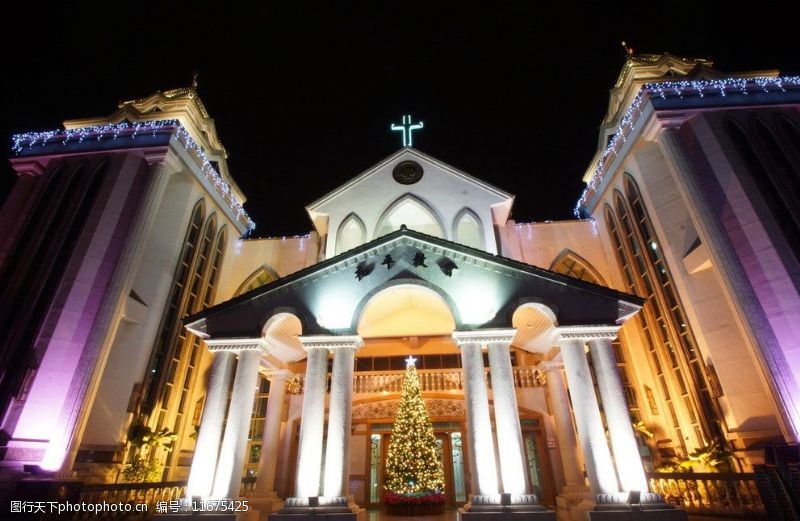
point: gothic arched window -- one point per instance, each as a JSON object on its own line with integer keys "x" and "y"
{"x": 261, "y": 277}
{"x": 573, "y": 265}
{"x": 412, "y": 212}
{"x": 665, "y": 323}
{"x": 467, "y": 229}
{"x": 175, "y": 308}
{"x": 351, "y": 233}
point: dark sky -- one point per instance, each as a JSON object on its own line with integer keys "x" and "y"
{"x": 303, "y": 93}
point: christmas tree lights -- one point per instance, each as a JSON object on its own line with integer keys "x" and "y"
{"x": 414, "y": 473}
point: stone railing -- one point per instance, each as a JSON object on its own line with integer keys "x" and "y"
{"x": 430, "y": 380}
{"x": 721, "y": 494}
{"x": 133, "y": 493}
{"x": 392, "y": 381}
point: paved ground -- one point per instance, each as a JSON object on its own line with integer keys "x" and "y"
{"x": 450, "y": 515}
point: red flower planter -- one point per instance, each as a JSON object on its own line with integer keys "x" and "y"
{"x": 427, "y": 505}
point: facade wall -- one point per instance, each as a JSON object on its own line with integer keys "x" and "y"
{"x": 444, "y": 193}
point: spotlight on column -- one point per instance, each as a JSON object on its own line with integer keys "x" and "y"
{"x": 634, "y": 497}
{"x": 505, "y": 499}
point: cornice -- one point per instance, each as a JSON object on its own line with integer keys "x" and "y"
{"x": 331, "y": 342}
{"x": 485, "y": 336}
{"x": 586, "y": 332}
{"x": 236, "y": 344}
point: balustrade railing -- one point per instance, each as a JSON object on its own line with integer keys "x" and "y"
{"x": 134, "y": 494}
{"x": 429, "y": 379}
{"x": 721, "y": 494}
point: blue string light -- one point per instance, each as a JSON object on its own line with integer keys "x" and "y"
{"x": 678, "y": 89}
{"x": 126, "y": 129}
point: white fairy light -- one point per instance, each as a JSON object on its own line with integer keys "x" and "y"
{"x": 678, "y": 89}
{"x": 115, "y": 130}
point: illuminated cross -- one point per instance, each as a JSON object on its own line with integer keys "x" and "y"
{"x": 407, "y": 128}
{"x": 410, "y": 361}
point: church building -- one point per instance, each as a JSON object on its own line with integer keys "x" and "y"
{"x": 562, "y": 363}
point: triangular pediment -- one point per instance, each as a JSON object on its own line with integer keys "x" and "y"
{"x": 482, "y": 290}
{"x": 380, "y": 184}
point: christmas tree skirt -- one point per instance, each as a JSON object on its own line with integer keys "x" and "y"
{"x": 410, "y": 509}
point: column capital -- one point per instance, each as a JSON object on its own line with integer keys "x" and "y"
{"x": 29, "y": 166}
{"x": 236, "y": 344}
{"x": 586, "y": 332}
{"x": 161, "y": 158}
{"x": 484, "y": 336}
{"x": 331, "y": 342}
{"x": 658, "y": 123}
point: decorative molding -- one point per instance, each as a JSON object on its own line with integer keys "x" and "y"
{"x": 484, "y": 336}
{"x": 236, "y": 344}
{"x": 623, "y": 498}
{"x": 29, "y": 167}
{"x": 550, "y": 365}
{"x": 437, "y": 407}
{"x": 163, "y": 161}
{"x": 331, "y": 341}
{"x": 586, "y": 332}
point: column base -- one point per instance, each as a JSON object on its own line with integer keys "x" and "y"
{"x": 574, "y": 502}
{"x": 318, "y": 509}
{"x": 649, "y": 507}
{"x": 262, "y": 505}
{"x": 505, "y": 507}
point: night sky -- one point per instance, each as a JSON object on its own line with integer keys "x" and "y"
{"x": 303, "y": 93}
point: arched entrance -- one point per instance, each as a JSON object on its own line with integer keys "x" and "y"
{"x": 398, "y": 321}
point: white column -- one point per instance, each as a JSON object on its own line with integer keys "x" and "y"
{"x": 618, "y": 416}
{"x": 596, "y": 455}
{"x": 479, "y": 426}
{"x": 506, "y": 414}
{"x": 337, "y": 449}
{"x": 270, "y": 439}
{"x": 309, "y": 455}
{"x": 567, "y": 443}
{"x": 228, "y": 478}
{"x": 206, "y": 450}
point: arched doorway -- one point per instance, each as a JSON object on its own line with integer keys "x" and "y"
{"x": 375, "y": 419}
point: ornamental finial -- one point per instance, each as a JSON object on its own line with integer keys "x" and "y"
{"x": 194, "y": 80}
{"x": 628, "y": 48}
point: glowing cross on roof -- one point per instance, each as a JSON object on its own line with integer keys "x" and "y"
{"x": 411, "y": 361}
{"x": 407, "y": 128}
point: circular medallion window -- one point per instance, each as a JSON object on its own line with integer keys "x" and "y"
{"x": 407, "y": 172}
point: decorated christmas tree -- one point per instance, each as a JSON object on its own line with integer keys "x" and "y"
{"x": 414, "y": 474}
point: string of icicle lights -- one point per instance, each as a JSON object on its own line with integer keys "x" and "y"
{"x": 676, "y": 89}
{"x": 130, "y": 130}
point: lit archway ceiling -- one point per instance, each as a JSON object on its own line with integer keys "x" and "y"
{"x": 406, "y": 310}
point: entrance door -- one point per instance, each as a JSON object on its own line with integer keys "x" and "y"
{"x": 451, "y": 454}
{"x": 449, "y": 448}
